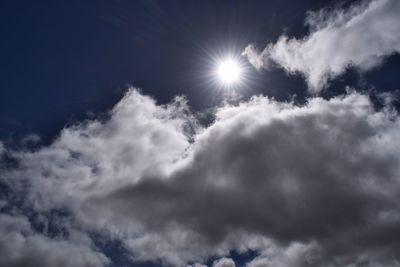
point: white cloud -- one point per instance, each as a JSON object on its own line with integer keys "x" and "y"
{"x": 264, "y": 176}
{"x": 360, "y": 37}
{"x": 21, "y": 246}
{"x": 224, "y": 262}
{"x": 297, "y": 254}
{"x": 196, "y": 265}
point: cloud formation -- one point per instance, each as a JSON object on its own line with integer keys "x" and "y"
{"x": 21, "y": 246}
{"x": 224, "y": 262}
{"x": 303, "y": 185}
{"x": 359, "y": 37}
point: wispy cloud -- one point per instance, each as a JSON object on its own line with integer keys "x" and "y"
{"x": 361, "y": 37}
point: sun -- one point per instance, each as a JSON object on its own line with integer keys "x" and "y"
{"x": 228, "y": 71}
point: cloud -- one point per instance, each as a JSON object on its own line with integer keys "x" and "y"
{"x": 319, "y": 180}
{"x": 21, "y": 246}
{"x": 359, "y": 37}
{"x": 224, "y": 262}
{"x": 2, "y": 149}
{"x": 296, "y": 254}
{"x": 30, "y": 139}
{"x": 197, "y": 265}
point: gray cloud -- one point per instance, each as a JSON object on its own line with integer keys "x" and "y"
{"x": 317, "y": 182}
{"x": 360, "y": 37}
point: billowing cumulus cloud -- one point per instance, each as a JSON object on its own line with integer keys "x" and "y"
{"x": 360, "y": 37}
{"x": 311, "y": 185}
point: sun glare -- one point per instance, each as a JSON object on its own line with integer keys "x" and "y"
{"x": 229, "y": 71}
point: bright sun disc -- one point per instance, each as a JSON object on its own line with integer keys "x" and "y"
{"x": 229, "y": 71}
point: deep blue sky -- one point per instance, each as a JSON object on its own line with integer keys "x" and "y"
{"x": 63, "y": 59}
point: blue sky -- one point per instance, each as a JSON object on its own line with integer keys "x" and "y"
{"x": 62, "y": 60}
